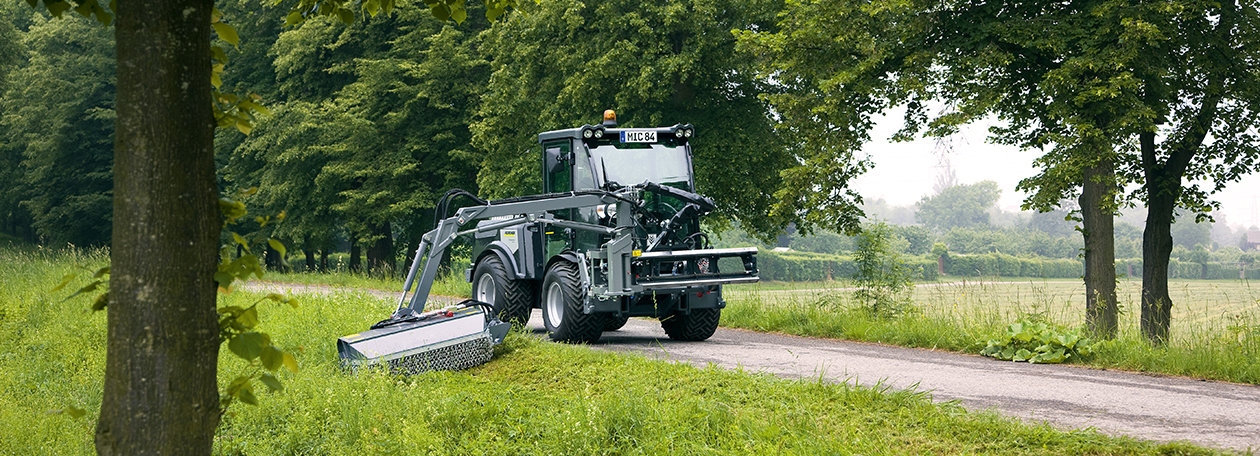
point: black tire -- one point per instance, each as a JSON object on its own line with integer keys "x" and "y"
{"x": 612, "y": 322}
{"x": 511, "y": 299}
{"x": 561, "y": 299}
{"x": 696, "y": 326}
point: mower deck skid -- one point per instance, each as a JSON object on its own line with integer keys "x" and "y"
{"x": 449, "y": 339}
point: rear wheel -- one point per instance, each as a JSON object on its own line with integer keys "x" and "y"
{"x": 562, "y": 307}
{"x": 700, "y": 324}
{"x": 511, "y": 299}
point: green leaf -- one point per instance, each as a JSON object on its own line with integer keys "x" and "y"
{"x": 232, "y": 210}
{"x": 239, "y": 240}
{"x": 102, "y": 272}
{"x": 272, "y": 358}
{"x": 249, "y": 345}
{"x": 100, "y": 302}
{"x": 56, "y": 8}
{"x": 247, "y": 396}
{"x": 71, "y": 411}
{"x": 218, "y": 55}
{"x": 290, "y": 362}
{"x": 293, "y": 18}
{"x": 248, "y": 318}
{"x": 273, "y": 383}
{"x": 227, "y": 33}
{"x": 458, "y": 13}
{"x": 244, "y": 126}
{"x": 277, "y": 246}
{"x": 64, "y": 281}
{"x": 224, "y": 279}
{"x": 440, "y": 11}
{"x": 345, "y": 15}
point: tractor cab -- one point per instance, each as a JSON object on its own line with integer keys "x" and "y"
{"x": 604, "y": 157}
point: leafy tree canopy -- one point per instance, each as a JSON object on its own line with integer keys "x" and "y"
{"x": 559, "y": 64}
{"x": 959, "y": 206}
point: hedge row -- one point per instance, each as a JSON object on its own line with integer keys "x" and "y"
{"x": 1003, "y": 265}
{"x": 794, "y": 266}
{"x": 1178, "y": 269}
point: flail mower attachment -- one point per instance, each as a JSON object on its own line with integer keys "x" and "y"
{"x": 453, "y": 338}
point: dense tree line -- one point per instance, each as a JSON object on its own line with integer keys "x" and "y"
{"x": 372, "y": 121}
{"x": 56, "y": 130}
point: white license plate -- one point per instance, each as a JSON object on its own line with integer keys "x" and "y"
{"x": 638, "y": 136}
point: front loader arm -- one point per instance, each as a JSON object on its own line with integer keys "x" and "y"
{"x": 435, "y": 242}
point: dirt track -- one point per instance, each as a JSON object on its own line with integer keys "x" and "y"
{"x": 1147, "y": 407}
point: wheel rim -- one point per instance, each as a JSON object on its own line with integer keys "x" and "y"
{"x": 555, "y": 304}
{"x": 486, "y": 289}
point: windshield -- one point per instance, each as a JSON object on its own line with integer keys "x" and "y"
{"x": 635, "y": 163}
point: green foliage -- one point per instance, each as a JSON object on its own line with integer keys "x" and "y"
{"x": 238, "y": 325}
{"x": 882, "y": 278}
{"x": 959, "y": 206}
{"x": 372, "y": 127}
{"x": 1036, "y": 341}
{"x": 795, "y": 266}
{"x": 57, "y": 132}
{"x": 658, "y": 63}
{"x": 1003, "y": 265}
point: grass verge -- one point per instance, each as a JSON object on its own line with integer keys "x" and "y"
{"x": 534, "y": 398}
{"x": 1215, "y": 330}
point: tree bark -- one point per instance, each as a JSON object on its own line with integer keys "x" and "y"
{"x": 356, "y": 264}
{"x": 1157, "y": 246}
{"x": 161, "y": 394}
{"x": 1096, "y": 200}
{"x": 1163, "y": 188}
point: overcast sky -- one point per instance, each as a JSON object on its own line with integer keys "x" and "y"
{"x": 905, "y": 172}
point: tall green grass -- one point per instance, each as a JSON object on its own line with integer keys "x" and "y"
{"x": 533, "y": 398}
{"x": 1215, "y": 331}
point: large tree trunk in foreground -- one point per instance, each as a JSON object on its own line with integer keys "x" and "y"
{"x": 161, "y": 393}
{"x": 1100, "y": 250}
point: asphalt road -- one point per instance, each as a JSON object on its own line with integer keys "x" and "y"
{"x": 1213, "y": 414}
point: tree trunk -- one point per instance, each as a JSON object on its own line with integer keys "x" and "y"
{"x": 356, "y": 263}
{"x": 380, "y": 255}
{"x": 1097, "y": 199}
{"x": 160, "y": 394}
{"x": 274, "y": 261}
{"x": 1163, "y": 188}
{"x": 1157, "y": 247}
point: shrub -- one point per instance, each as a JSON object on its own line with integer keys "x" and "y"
{"x": 1036, "y": 341}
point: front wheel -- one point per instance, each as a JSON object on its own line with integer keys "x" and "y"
{"x": 510, "y": 298}
{"x": 698, "y": 325}
{"x": 562, "y": 307}
{"x": 613, "y": 322}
